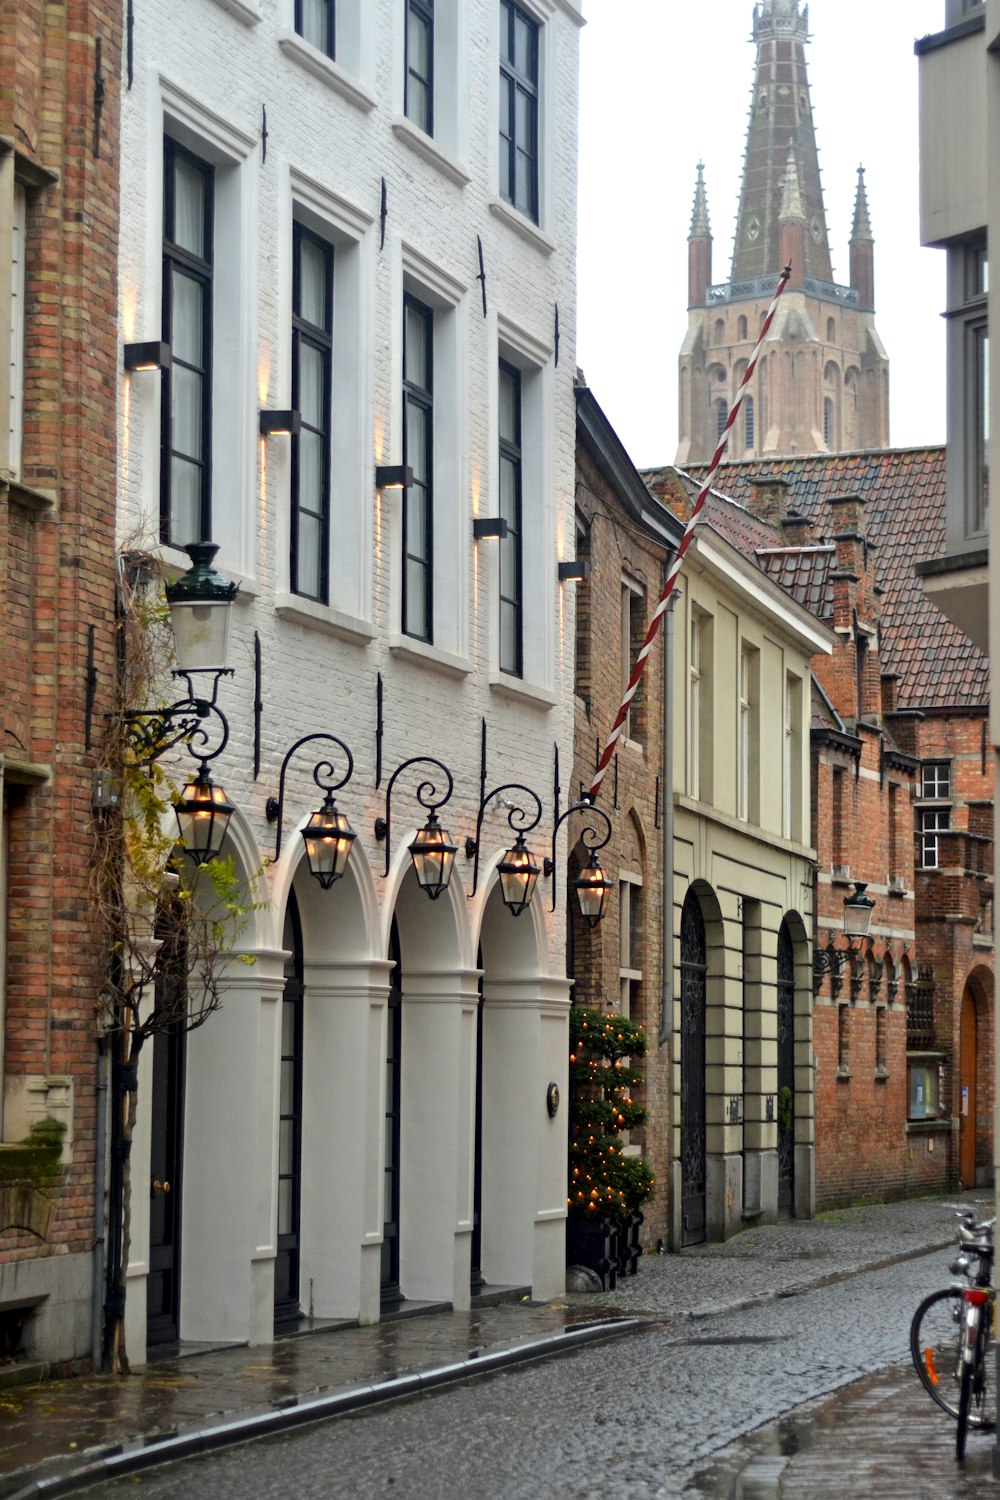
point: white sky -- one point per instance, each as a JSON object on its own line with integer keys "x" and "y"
{"x": 666, "y": 83}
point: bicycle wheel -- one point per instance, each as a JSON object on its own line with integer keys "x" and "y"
{"x": 935, "y": 1345}
{"x": 964, "y": 1403}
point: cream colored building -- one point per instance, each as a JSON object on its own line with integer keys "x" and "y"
{"x": 742, "y": 879}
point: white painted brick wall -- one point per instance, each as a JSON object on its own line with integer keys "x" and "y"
{"x": 313, "y": 680}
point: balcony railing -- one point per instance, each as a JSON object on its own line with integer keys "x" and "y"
{"x": 766, "y": 286}
{"x": 920, "y": 1030}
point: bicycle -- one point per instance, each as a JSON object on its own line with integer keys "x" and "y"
{"x": 951, "y": 1332}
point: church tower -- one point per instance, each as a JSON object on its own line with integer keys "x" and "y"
{"x": 822, "y": 384}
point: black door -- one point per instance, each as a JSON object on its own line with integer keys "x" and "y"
{"x": 391, "y": 1293}
{"x": 166, "y": 1146}
{"x": 477, "y": 1278}
{"x": 286, "y": 1265}
{"x": 786, "y": 1074}
{"x": 693, "y": 1016}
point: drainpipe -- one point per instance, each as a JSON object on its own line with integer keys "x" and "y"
{"x": 667, "y": 761}
{"x": 100, "y": 1180}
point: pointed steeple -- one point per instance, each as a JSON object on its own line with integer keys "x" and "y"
{"x": 862, "y": 227}
{"x": 862, "y": 248}
{"x": 699, "y": 212}
{"x": 791, "y": 194}
{"x": 699, "y": 245}
{"x": 780, "y": 120}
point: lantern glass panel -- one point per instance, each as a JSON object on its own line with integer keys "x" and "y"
{"x": 433, "y": 856}
{"x": 203, "y": 814}
{"x": 518, "y": 877}
{"x": 329, "y": 839}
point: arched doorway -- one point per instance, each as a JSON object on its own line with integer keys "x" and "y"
{"x": 694, "y": 1164}
{"x": 287, "y": 1260}
{"x": 786, "y": 1073}
{"x": 968, "y": 1054}
{"x": 391, "y": 1294}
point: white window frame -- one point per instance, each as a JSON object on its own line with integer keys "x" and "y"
{"x": 793, "y": 742}
{"x": 629, "y": 972}
{"x": 351, "y": 70}
{"x": 447, "y": 148}
{"x": 631, "y": 590}
{"x": 968, "y": 393}
{"x": 748, "y": 736}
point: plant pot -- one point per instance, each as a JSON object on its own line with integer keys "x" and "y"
{"x": 594, "y": 1244}
{"x": 629, "y": 1248}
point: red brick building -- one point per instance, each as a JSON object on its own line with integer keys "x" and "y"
{"x": 901, "y": 800}
{"x": 59, "y": 72}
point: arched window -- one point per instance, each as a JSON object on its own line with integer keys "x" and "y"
{"x": 748, "y": 423}
{"x": 828, "y": 422}
{"x": 741, "y": 327}
{"x": 721, "y": 413}
{"x": 719, "y": 332}
{"x": 831, "y": 331}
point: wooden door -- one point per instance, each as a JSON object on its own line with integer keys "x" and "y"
{"x": 967, "y": 1094}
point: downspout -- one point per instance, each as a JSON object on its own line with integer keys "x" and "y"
{"x": 100, "y": 1182}
{"x": 667, "y": 761}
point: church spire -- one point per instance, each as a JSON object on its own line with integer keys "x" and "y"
{"x": 780, "y": 120}
{"x": 862, "y": 248}
{"x": 791, "y": 193}
{"x": 699, "y": 245}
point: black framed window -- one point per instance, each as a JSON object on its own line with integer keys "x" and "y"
{"x": 312, "y": 373}
{"x": 418, "y": 432}
{"x": 419, "y": 82}
{"x": 186, "y": 406}
{"x": 511, "y": 475}
{"x": 315, "y": 22}
{"x": 519, "y": 36}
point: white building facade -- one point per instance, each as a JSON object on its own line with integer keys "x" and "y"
{"x": 320, "y": 216}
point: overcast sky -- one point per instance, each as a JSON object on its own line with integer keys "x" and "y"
{"x": 666, "y": 83}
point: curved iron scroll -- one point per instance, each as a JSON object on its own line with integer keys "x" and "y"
{"x": 591, "y": 844}
{"x": 426, "y": 794}
{"x": 323, "y": 773}
{"x": 517, "y": 820}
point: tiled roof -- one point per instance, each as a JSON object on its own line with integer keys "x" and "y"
{"x": 805, "y": 573}
{"x": 904, "y": 517}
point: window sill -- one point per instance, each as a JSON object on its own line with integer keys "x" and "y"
{"x": 938, "y": 1126}
{"x": 425, "y": 146}
{"x": 321, "y": 617}
{"x": 881, "y": 1075}
{"x": 843, "y": 1073}
{"x": 248, "y": 14}
{"x": 26, "y": 496}
{"x": 326, "y": 70}
{"x": 421, "y": 654}
{"x": 522, "y": 225}
{"x": 518, "y": 691}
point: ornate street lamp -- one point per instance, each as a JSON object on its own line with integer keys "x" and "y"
{"x": 203, "y": 812}
{"x": 328, "y": 836}
{"x": 858, "y": 910}
{"x": 518, "y": 876}
{"x": 517, "y": 872}
{"x": 591, "y": 885}
{"x": 432, "y": 852}
{"x": 200, "y": 603}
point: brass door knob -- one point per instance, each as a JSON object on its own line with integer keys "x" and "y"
{"x": 156, "y": 1186}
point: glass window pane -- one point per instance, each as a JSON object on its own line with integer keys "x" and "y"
{"x": 524, "y": 121}
{"x": 186, "y": 389}
{"x": 310, "y": 470}
{"x": 418, "y": 45}
{"x": 311, "y": 382}
{"x": 508, "y": 491}
{"x": 418, "y": 101}
{"x": 524, "y": 46}
{"x": 416, "y": 441}
{"x": 187, "y": 303}
{"x": 287, "y": 1089}
{"x": 286, "y": 1137}
{"x": 315, "y": 24}
{"x": 416, "y": 597}
{"x": 508, "y": 637}
{"x": 310, "y": 569}
{"x": 313, "y": 284}
{"x": 505, "y": 30}
{"x": 185, "y": 502}
{"x": 416, "y": 348}
{"x": 524, "y": 183}
{"x": 287, "y": 1028}
{"x": 508, "y": 406}
{"x": 285, "y": 1220}
{"x": 189, "y": 208}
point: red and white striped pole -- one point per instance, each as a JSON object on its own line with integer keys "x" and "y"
{"x": 675, "y": 567}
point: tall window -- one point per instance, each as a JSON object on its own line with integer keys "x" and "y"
{"x": 315, "y": 22}
{"x": 511, "y": 478}
{"x": 793, "y": 757}
{"x": 186, "y": 407}
{"x": 827, "y": 422}
{"x": 633, "y": 633}
{"x": 748, "y": 422}
{"x": 17, "y": 305}
{"x": 748, "y": 735}
{"x": 721, "y": 413}
{"x": 700, "y": 706}
{"x": 519, "y": 36}
{"x": 312, "y": 355}
{"x": 630, "y": 939}
{"x": 419, "y": 86}
{"x": 968, "y": 384}
{"x": 934, "y": 815}
{"x": 418, "y": 429}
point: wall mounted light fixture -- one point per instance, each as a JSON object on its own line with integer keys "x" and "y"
{"x": 485, "y": 528}
{"x": 328, "y": 836}
{"x": 591, "y": 885}
{"x": 280, "y": 423}
{"x": 517, "y": 871}
{"x": 393, "y": 477}
{"x": 432, "y": 852}
{"x": 577, "y": 567}
{"x": 151, "y": 356}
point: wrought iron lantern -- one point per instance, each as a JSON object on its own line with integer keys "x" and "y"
{"x": 517, "y": 872}
{"x": 203, "y": 812}
{"x": 518, "y": 875}
{"x": 329, "y": 839}
{"x": 592, "y": 887}
{"x": 432, "y": 851}
{"x": 858, "y": 910}
{"x": 200, "y": 603}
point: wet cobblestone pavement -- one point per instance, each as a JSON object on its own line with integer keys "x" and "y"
{"x": 64, "y": 1421}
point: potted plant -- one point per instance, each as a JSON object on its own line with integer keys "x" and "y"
{"x": 606, "y": 1187}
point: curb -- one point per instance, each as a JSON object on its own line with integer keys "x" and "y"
{"x": 294, "y": 1411}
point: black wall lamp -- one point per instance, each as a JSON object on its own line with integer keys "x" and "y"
{"x": 328, "y": 836}
{"x": 393, "y": 477}
{"x": 200, "y": 603}
{"x": 485, "y": 528}
{"x": 577, "y": 567}
{"x": 280, "y": 423}
{"x": 858, "y": 910}
{"x": 432, "y": 852}
{"x": 591, "y": 885}
{"x": 517, "y": 871}
{"x": 151, "y": 356}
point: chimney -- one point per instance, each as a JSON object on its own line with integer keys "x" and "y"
{"x": 769, "y": 499}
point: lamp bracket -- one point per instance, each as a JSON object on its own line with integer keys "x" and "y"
{"x": 426, "y": 794}
{"x": 151, "y": 732}
{"x": 589, "y": 835}
{"x": 517, "y": 818}
{"x": 324, "y": 774}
